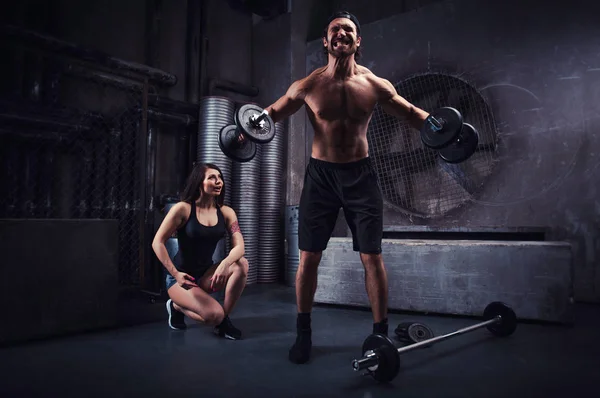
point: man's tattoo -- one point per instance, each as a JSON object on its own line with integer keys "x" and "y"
{"x": 235, "y": 227}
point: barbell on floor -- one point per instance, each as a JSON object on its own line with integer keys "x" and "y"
{"x": 381, "y": 358}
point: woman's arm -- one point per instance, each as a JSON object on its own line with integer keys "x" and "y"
{"x": 237, "y": 240}
{"x": 173, "y": 220}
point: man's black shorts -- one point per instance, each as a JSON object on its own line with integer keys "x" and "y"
{"x": 330, "y": 186}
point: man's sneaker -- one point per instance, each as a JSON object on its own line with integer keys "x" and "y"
{"x": 227, "y": 330}
{"x": 176, "y": 320}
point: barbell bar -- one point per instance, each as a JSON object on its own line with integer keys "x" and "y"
{"x": 381, "y": 358}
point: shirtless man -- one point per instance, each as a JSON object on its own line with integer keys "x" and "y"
{"x": 340, "y": 98}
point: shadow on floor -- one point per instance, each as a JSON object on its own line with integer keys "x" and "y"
{"x": 150, "y": 360}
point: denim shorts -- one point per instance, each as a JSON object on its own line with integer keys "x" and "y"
{"x": 169, "y": 281}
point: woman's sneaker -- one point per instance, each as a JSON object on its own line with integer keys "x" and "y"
{"x": 176, "y": 318}
{"x": 227, "y": 330}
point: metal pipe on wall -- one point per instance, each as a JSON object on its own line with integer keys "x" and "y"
{"x": 168, "y": 118}
{"x": 42, "y": 122}
{"x": 151, "y": 166}
{"x": 154, "y": 100}
{"x": 149, "y": 265}
{"x": 171, "y": 118}
{"x": 143, "y": 198}
{"x": 176, "y": 106}
{"x": 61, "y": 47}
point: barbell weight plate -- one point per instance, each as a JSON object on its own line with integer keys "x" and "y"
{"x": 451, "y": 121}
{"x": 413, "y": 332}
{"x": 254, "y": 133}
{"x": 388, "y": 365}
{"x": 463, "y": 148}
{"x": 507, "y": 326}
{"x": 235, "y": 146}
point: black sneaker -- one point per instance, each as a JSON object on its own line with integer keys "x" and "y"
{"x": 227, "y": 330}
{"x": 176, "y": 320}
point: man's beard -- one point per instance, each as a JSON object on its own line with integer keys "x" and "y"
{"x": 342, "y": 51}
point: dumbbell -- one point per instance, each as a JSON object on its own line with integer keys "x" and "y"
{"x": 445, "y": 131}
{"x": 381, "y": 358}
{"x": 252, "y": 125}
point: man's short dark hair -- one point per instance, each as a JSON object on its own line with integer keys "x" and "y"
{"x": 344, "y": 14}
{"x": 350, "y": 16}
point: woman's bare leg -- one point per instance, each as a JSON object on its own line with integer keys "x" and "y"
{"x": 196, "y": 304}
{"x": 234, "y": 286}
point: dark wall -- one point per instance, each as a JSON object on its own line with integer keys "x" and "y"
{"x": 162, "y": 34}
{"x": 71, "y": 268}
{"x": 229, "y": 50}
{"x": 278, "y": 59}
{"x": 541, "y": 79}
{"x": 154, "y": 33}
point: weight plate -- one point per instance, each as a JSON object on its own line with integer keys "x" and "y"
{"x": 507, "y": 325}
{"x": 463, "y": 148}
{"x": 413, "y": 332}
{"x": 234, "y": 146}
{"x": 254, "y": 133}
{"x": 388, "y": 365}
{"x": 436, "y": 138}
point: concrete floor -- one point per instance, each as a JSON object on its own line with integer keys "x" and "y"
{"x": 151, "y": 360}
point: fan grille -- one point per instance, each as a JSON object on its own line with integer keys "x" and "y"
{"x": 413, "y": 179}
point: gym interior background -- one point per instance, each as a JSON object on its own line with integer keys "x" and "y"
{"x": 107, "y": 104}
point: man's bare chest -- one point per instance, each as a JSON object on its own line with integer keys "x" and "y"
{"x": 335, "y": 101}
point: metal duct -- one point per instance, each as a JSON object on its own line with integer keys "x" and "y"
{"x": 291, "y": 237}
{"x": 246, "y": 201}
{"x": 215, "y": 112}
{"x": 271, "y": 207}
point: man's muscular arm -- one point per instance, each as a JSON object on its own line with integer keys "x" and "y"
{"x": 395, "y": 105}
{"x": 289, "y": 103}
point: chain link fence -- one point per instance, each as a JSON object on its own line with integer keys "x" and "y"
{"x": 414, "y": 179}
{"x": 73, "y": 138}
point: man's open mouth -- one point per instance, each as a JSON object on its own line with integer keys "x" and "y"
{"x": 338, "y": 43}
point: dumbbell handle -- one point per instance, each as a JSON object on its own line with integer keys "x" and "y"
{"x": 436, "y": 123}
{"x": 371, "y": 358}
{"x": 259, "y": 118}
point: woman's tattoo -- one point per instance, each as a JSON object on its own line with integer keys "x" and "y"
{"x": 235, "y": 227}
